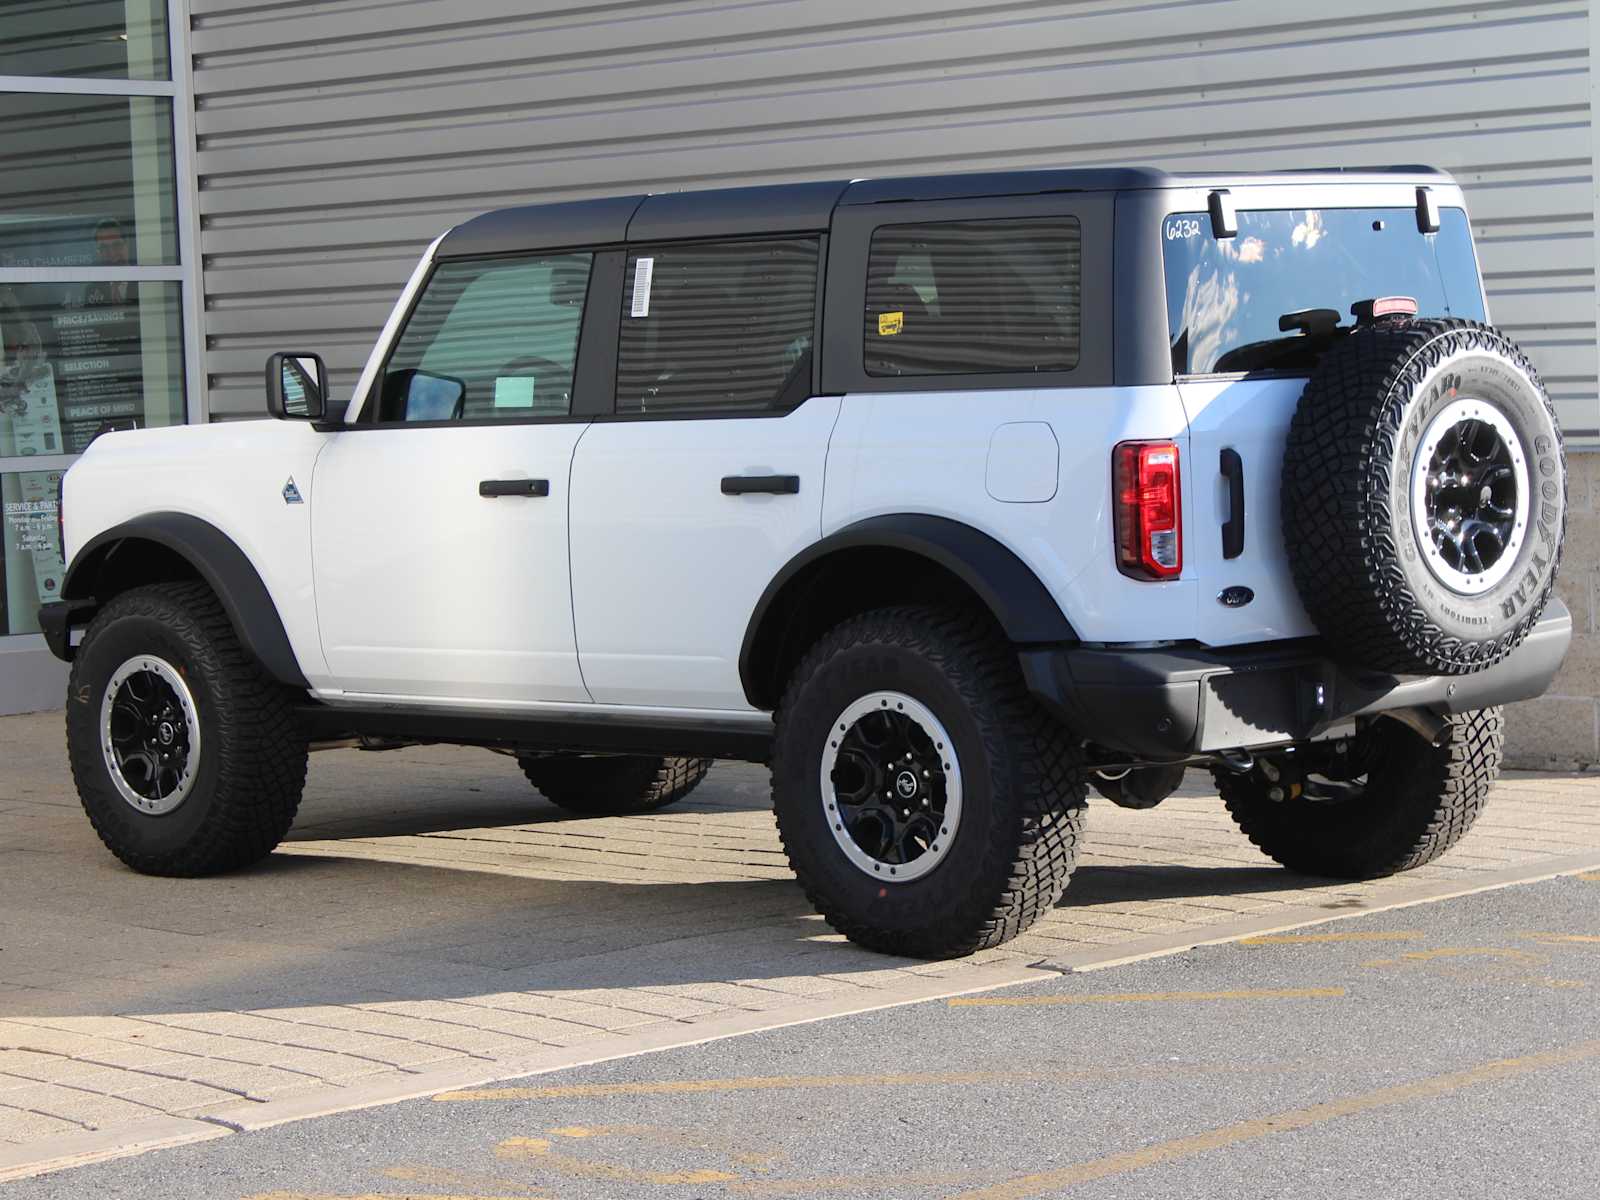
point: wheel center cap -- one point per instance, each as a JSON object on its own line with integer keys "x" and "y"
{"x": 166, "y": 733}
{"x": 906, "y": 784}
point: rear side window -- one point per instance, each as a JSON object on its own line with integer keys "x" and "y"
{"x": 718, "y": 326}
{"x": 974, "y": 297}
{"x": 489, "y": 340}
{"x": 1225, "y": 296}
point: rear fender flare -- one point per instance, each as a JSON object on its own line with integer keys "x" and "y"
{"x": 1021, "y": 605}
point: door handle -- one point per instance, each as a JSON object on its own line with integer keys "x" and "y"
{"x": 1232, "y": 467}
{"x": 746, "y": 485}
{"x": 514, "y": 487}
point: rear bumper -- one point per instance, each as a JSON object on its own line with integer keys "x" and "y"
{"x": 1178, "y": 701}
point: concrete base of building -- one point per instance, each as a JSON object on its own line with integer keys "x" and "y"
{"x": 31, "y": 678}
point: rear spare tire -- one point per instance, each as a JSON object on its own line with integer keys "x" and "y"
{"x": 1424, "y": 496}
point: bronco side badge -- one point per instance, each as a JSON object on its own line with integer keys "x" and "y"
{"x": 291, "y": 494}
{"x": 1235, "y": 597}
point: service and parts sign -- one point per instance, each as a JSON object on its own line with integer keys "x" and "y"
{"x": 31, "y": 532}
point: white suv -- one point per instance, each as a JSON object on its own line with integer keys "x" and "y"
{"x": 948, "y": 497}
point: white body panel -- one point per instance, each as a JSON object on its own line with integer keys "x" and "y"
{"x": 666, "y": 570}
{"x": 1252, "y": 417}
{"x": 930, "y": 452}
{"x": 424, "y": 587}
{"x": 232, "y": 476}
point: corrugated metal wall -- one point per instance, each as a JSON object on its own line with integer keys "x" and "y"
{"x": 335, "y": 139}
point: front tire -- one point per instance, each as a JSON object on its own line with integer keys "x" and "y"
{"x": 613, "y": 785}
{"x": 1401, "y": 804}
{"x": 188, "y": 760}
{"x": 927, "y": 804}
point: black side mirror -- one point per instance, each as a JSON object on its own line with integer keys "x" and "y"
{"x": 297, "y": 387}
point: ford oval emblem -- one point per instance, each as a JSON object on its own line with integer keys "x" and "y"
{"x": 1235, "y": 597}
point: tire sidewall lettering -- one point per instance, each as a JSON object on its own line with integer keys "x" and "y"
{"x": 1469, "y": 368}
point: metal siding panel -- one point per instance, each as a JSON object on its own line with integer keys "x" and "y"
{"x": 335, "y": 142}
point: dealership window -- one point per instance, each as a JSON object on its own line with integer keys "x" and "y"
{"x": 97, "y": 301}
{"x": 974, "y": 297}
{"x": 718, "y": 326}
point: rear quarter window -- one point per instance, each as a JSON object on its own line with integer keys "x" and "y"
{"x": 1225, "y": 296}
{"x": 974, "y": 297}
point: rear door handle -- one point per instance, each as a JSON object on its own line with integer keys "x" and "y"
{"x": 514, "y": 487}
{"x": 1232, "y": 468}
{"x": 775, "y": 485}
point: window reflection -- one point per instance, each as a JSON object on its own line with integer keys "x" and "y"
{"x": 86, "y": 181}
{"x": 77, "y": 359}
{"x": 107, "y": 39}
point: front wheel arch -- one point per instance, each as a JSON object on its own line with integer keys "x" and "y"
{"x": 171, "y": 547}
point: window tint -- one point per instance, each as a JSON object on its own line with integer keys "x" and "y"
{"x": 490, "y": 340}
{"x": 974, "y": 297}
{"x": 718, "y": 325}
{"x": 1225, "y": 297}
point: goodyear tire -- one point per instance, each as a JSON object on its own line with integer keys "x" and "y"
{"x": 614, "y": 785}
{"x": 187, "y": 758}
{"x": 1424, "y": 496}
{"x": 928, "y": 806}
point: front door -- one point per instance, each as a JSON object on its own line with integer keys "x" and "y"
{"x": 439, "y": 524}
{"x": 709, "y": 477}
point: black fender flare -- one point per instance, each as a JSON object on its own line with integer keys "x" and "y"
{"x": 216, "y": 557}
{"x": 1008, "y": 587}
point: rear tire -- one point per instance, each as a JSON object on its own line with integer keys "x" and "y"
{"x": 195, "y": 762}
{"x": 905, "y": 726}
{"x": 1417, "y": 802}
{"x": 616, "y": 785}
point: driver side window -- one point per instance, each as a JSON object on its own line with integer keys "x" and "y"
{"x": 493, "y": 339}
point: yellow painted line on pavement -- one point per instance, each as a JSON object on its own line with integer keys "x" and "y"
{"x": 764, "y": 1083}
{"x": 1582, "y": 939}
{"x": 1285, "y": 1122}
{"x": 1591, "y": 876}
{"x": 539, "y": 1148}
{"x": 1319, "y": 993}
{"x": 1296, "y": 939}
{"x": 1416, "y": 956}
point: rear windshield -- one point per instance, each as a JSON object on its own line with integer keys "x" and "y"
{"x": 1224, "y": 297}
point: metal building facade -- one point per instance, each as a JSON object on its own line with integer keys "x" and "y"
{"x": 333, "y": 141}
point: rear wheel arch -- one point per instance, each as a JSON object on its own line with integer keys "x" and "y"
{"x": 173, "y": 547}
{"x": 901, "y": 558}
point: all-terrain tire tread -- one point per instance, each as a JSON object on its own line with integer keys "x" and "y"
{"x": 614, "y": 786}
{"x": 1338, "y": 523}
{"x": 262, "y": 747}
{"x": 1426, "y": 800}
{"x": 1050, "y": 781}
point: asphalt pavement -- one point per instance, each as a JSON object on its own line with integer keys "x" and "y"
{"x": 1444, "y": 1050}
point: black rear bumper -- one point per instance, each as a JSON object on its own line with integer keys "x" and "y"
{"x": 1184, "y": 700}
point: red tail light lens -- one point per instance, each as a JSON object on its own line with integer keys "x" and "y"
{"x": 1145, "y": 486}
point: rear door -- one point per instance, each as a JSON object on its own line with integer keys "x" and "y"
{"x": 708, "y": 477}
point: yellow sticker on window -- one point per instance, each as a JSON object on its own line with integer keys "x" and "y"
{"x": 890, "y": 324}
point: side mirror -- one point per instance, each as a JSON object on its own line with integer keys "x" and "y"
{"x": 297, "y": 387}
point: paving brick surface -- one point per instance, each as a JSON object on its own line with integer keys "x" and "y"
{"x": 431, "y": 911}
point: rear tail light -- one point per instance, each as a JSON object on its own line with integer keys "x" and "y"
{"x": 1145, "y": 487}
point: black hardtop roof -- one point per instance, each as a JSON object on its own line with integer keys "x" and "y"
{"x": 808, "y": 207}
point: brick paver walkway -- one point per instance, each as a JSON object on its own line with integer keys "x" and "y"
{"x": 430, "y": 910}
